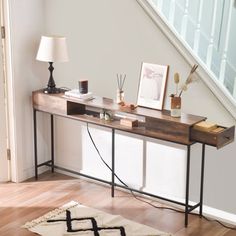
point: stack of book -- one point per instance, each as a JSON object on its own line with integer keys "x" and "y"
{"x": 74, "y": 93}
{"x": 205, "y": 126}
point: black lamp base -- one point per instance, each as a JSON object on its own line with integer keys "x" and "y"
{"x": 51, "y": 87}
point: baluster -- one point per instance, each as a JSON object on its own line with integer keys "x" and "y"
{"x": 153, "y": 3}
{"x": 185, "y": 20}
{"x": 211, "y": 42}
{"x": 234, "y": 92}
{"x": 198, "y": 28}
{"x": 160, "y": 4}
{"x": 172, "y": 12}
{"x": 226, "y": 44}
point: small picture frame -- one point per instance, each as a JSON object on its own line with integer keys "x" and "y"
{"x": 152, "y": 85}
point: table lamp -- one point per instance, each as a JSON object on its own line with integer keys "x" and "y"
{"x": 52, "y": 49}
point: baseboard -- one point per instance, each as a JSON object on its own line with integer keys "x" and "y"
{"x": 29, "y": 173}
{"x": 220, "y": 215}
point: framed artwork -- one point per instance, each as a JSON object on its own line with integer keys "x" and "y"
{"x": 152, "y": 85}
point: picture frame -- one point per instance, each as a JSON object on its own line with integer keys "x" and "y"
{"x": 152, "y": 85}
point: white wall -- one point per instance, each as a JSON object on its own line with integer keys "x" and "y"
{"x": 27, "y": 25}
{"x": 107, "y": 37}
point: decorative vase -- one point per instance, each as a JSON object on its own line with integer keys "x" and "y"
{"x": 175, "y": 107}
{"x": 120, "y": 96}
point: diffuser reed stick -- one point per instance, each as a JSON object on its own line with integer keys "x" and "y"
{"x": 120, "y": 81}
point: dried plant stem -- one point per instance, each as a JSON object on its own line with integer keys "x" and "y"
{"x": 176, "y": 79}
{"x": 189, "y": 79}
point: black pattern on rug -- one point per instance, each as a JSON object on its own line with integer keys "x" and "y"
{"x": 95, "y": 228}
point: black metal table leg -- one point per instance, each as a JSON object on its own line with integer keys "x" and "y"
{"x": 35, "y": 145}
{"x": 113, "y": 164}
{"x": 187, "y": 186}
{"x": 52, "y": 143}
{"x": 202, "y": 179}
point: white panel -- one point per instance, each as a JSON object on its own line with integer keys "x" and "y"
{"x": 68, "y": 143}
{"x": 166, "y": 169}
{"x": 43, "y": 139}
{"x": 129, "y": 159}
{"x": 91, "y": 162}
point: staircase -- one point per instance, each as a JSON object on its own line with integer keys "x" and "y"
{"x": 203, "y": 32}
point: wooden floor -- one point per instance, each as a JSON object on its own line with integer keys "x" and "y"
{"x": 23, "y": 202}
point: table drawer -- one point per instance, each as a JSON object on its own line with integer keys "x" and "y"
{"x": 52, "y": 103}
{"x": 216, "y": 139}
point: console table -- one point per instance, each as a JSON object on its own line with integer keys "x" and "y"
{"x": 151, "y": 123}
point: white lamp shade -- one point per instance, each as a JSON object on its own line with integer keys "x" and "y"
{"x": 52, "y": 49}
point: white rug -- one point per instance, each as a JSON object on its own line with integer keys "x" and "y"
{"x": 76, "y": 219}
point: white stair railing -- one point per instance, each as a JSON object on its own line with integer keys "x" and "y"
{"x": 198, "y": 28}
{"x": 172, "y": 12}
{"x": 212, "y": 35}
{"x": 185, "y": 20}
{"x": 206, "y": 28}
{"x": 234, "y": 93}
{"x": 226, "y": 45}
